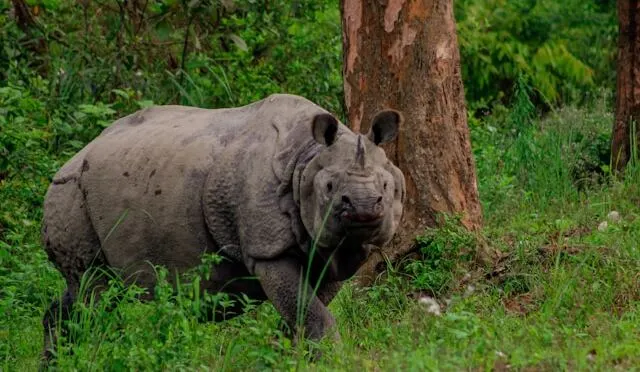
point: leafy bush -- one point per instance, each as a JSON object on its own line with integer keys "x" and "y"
{"x": 593, "y": 154}
{"x": 562, "y": 48}
{"x": 119, "y": 331}
{"x": 441, "y": 250}
{"x": 224, "y": 53}
{"x": 203, "y": 53}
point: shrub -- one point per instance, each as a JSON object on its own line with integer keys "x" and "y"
{"x": 561, "y": 48}
{"x": 442, "y": 252}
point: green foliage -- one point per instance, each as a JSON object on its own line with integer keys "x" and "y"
{"x": 200, "y": 53}
{"x": 441, "y": 250}
{"x": 224, "y": 53}
{"x": 120, "y": 332}
{"x": 539, "y": 161}
{"x": 561, "y": 48}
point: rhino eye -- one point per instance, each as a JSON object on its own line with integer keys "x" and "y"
{"x": 329, "y": 186}
{"x": 385, "y": 186}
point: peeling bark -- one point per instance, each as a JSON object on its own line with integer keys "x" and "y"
{"x": 391, "y": 14}
{"x": 352, "y": 15}
{"x": 628, "y": 84}
{"x": 408, "y": 59}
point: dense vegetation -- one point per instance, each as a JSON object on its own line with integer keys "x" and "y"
{"x": 545, "y": 284}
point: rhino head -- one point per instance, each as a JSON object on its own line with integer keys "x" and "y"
{"x": 350, "y": 191}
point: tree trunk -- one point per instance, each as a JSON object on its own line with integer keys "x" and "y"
{"x": 628, "y": 85}
{"x": 24, "y": 19}
{"x": 404, "y": 55}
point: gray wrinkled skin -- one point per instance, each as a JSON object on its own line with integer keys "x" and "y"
{"x": 254, "y": 184}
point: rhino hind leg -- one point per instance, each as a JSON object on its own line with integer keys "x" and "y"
{"x": 72, "y": 245}
{"x": 233, "y": 278}
{"x": 58, "y": 313}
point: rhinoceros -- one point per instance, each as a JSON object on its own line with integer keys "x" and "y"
{"x": 279, "y": 188}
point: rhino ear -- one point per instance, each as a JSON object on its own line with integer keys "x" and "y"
{"x": 324, "y": 128}
{"x": 384, "y": 127}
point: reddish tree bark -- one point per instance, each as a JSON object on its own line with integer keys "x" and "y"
{"x": 628, "y": 84}
{"x": 403, "y": 54}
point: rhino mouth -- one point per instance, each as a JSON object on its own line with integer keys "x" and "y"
{"x": 361, "y": 220}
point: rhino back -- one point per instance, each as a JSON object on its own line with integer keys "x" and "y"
{"x": 144, "y": 178}
{"x": 141, "y": 179}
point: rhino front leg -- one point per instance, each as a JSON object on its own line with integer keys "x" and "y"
{"x": 327, "y": 292}
{"x": 283, "y": 282}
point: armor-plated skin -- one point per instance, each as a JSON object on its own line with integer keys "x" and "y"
{"x": 257, "y": 184}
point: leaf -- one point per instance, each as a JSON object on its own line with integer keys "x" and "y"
{"x": 145, "y": 103}
{"x": 240, "y": 43}
{"x": 121, "y": 93}
{"x": 228, "y": 5}
{"x": 101, "y": 110}
{"x": 75, "y": 144}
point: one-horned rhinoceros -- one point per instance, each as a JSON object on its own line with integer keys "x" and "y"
{"x": 265, "y": 185}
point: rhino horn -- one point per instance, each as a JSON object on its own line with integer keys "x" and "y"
{"x": 360, "y": 153}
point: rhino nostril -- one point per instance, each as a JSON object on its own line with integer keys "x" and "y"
{"x": 379, "y": 199}
{"x": 346, "y": 200}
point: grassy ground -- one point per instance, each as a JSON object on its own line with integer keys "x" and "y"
{"x": 544, "y": 286}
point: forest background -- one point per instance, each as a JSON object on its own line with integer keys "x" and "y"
{"x": 560, "y": 290}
